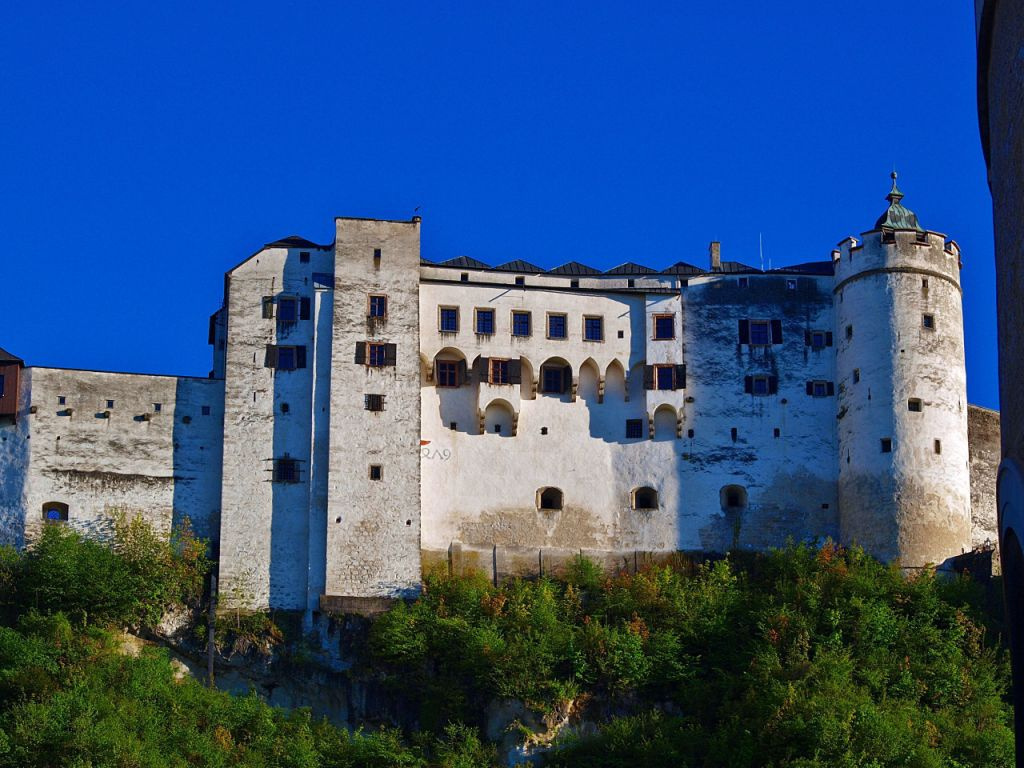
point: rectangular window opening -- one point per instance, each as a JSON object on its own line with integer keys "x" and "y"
{"x": 376, "y": 472}
{"x": 157, "y": 407}
{"x": 373, "y": 402}
{"x": 304, "y": 257}
{"x": 593, "y": 328}
{"x": 520, "y": 323}
{"x": 914, "y": 404}
{"x": 886, "y": 445}
{"x": 556, "y": 326}
{"x": 856, "y": 375}
{"x": 448, "y": 319}
{"x": 928, "y": 322}
{"x": 499, "y": 373}
{"x": 520, "y": 280}
{"x": 378, "y": 306}
{"x": 664, "y": 327}
{"x": 447, "y": 373}
{"x": 286, "y": 470}
{"x": 938, "y": 446}
{"x": 634, "y": 429}
{"x": 287, "y": 309}
{"x": 376, "y": 355}
{"x": 485, "y": 322}
{"x": 664, "y": 377}
{"x": 760, "y": 333}
{"x": 205, "y": 410}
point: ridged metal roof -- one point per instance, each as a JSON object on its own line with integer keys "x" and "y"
{"x": 682, "y": 268}
{"x": 631, "y": 268}
{"x": 464, "y": 261}
{"x": 519, "y": 266}
{"x": 294, "y": 241}
{"x": 573, "y": 268}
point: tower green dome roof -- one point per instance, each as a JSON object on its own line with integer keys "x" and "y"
{"x": 896, "y": 216}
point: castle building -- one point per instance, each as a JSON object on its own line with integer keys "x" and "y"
{"x": 371, "y": 413}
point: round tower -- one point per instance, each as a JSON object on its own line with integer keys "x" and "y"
{"x": 904, "y": 480}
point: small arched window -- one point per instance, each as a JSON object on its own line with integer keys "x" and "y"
{"x": 549, "y": 498}
{"x": 733, "y": 497}
{"x": 55, "y": 512}
{"x": 644, "y": 498}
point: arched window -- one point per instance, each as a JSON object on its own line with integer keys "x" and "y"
{"x": 549, "y": 498}
{"x": 644, "y": 498}
{"x": 55, "y": 512}
{"x": 733, "y": 497}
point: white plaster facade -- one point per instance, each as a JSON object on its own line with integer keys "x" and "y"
{"x": 696, "y": 409}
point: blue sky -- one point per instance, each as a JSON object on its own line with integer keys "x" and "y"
{"x": 145, "y": 150}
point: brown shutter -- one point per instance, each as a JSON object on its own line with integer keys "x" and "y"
{"x": 480, "y": 370}
{"x": 270, "y": 359}
{"x": 566, "y": 379}
{"x": 463, "y": 373}
{"x": 810, "y": 387}
{"x": 648, "y": 377}
{"x": 304, "y": 308}
{"x": 828, "y": 339}
{"x": 361, "y": 352}
{"x": 773, "y": 385}
{"x": 831, "y": 388}
{"x": 390, "y": 354}
{"x": 748, "y": 384}
{"x": 744, "y": 331}
{"x": 776, "y": 331}
{"x": 680, "y": 377}
{"x": 300, "y": 356}
{"x": 807, "y": 338}
{"x": 268, "y": 306}
{"x": 515, "y": 372}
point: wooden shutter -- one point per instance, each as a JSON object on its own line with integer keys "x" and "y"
{"x": 566, "y": 379}
{"x": 515, "y": 372}
{"x": 810, "y": 387}
{"x": 480, "y": 369}
{"x": 828, "y": 339}
{"x": 270, "y": 359}
{"x": 748, "y": 384}
{"x": 831, "y": 388}
{"x": 680, "y": 377}
{"x": 361, "y": 352}
{"x": 773, "y": 385}
{"x": 268, "y": 306}
{"x": 648, "y": 377}
{"x": 390, "y": 354}
{"x": 807, "y": 338}
{"x": 304, "y": 308}
{"x": 744, "y": 331}
{"x": 776, "y": 331}
{"x": 300, "y": 356}
{"x": 463, "y": 373}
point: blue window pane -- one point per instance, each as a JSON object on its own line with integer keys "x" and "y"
{"x": 666, "y": 377}
{"x": 520, "y": 323}
{"x": 450, "y": 320}
{"x": 378, "y": 306}
{"x": 664, "y": 327}
{"x": 485, "y": 321}
{"x": 593, "y": 329}
{"x": 760, "y": 332}
{"x": 556, "y": 326}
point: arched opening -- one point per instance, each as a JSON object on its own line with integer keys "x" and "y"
{"x": 450, "y": 369}
{"x": 615, "y": 382}
{"x": 549, "y": 498}
{"x": 555, "y": 377}
{"x": 644, "y": 498}
{"x": 665, "y": 423}
{"x": 499, "y": 419}
{"x": 55, "y": 512}
{"x": 589, "y": 375}
{"x": 457, "y": 403}
{"x": 733, "y": 497}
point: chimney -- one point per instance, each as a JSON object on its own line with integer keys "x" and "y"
{"x": 715, "y": 252}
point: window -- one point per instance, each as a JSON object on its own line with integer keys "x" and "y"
{"x": 499, "y": 371}
{"x": 776, "y": 432}
{"x": 61, "y": 400}
{"x": 574, "y": 283}
{"x": 553, "y": 379}
{"x": 464, "y": 277}
{"x": 820, "y": 388}
{"x": 543, "y": 430}
{"x": 743, "y": 282}
{"x": 285, "y": 358}
{"x": 267, "y": 305}
{"x": 791, "y": 285}
{"x": 886, "y": 445}
{"x": 888, "y": 236}
{"x": 631, "y": 283}
{"x": 485, "y": 321}
{"x": 849, "y": 332}
{"x": 110, "y": 403}
{"x": 378, "y": 306}
{"x": 206, "y": 409}
{"x": 375, "y": 355}
{"x": 760, "y": 333}
{"x": 819, "y": 339}
{"x": 447, "y": 373}
{"x": 449, "y": 320}
{"x": 733, "y": 497}
{"x": 734, "y": 434}
{"x": 287, "y": 309}
{"x": 286, "y": 470}
{"x": 376, "y": 472}
{"x": 520, "y": 280}
{"x": 928, "y": 322}
{"x": 55, "y": 512}
{"x": 453, "y": 426}
{"x": 924, "y": 284}
{"x": 376, "y": 258}
{"x": 689, "y": 433}
{"x": 284, "y": 407}
{"x": 634, "y": 429}
{"x": 856, "y": 375}
{"x": 556, "y": 326}
{"x": 520, "y": 323}
{"x": 938, "y": 446}
{"x": 304, "y": 257}
{"x": 914, "y": 404}
{"x": 373, "y": 402}
{"x": 549, "y": 498}
{"x": 644, "y": 498}
{"x": 664, "y": 377}
{"x": 759, "y": 385}
{"x": 621, "y": 334}
{"x": 593, "y": 328}
{"x": 664, "y": 327}
{"x": 157, "y": 407}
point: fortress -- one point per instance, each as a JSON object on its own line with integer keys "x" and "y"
{"x": 370, "y": 412}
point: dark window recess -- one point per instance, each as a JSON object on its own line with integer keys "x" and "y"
{"x": 664, "y": 327}
{"x": 760, "y": 332}
{"x": 622, "y": 334}
{"x": 376, "y": 472}
{"x": 205, "y": 410}
{"x": 776, "y": 432}
{"x": 593, "y": 328}
{"x": 285, "y": 407}
{"x": 452, "y": 426}
{"x": 520, "y": 281}
{"x": 645, "y": 498}
{"x": 886, "y": 445}
{"x": 520, "y": 323}
{"x": 304, "y": 257}
{"x": 449, "y": 320}
{"x": 634, "y": 429}
{"x": 284, "y": 358}
{"x": 664, "y": 377}
{"x": 631, "y": 283}
{"x": 849, "y": 332}
{"x": 448, "y": 373}
{"x": 555, "y": 379}
{"x": 376, "y": 355}
{"x": 157, "y": 407}
{"x": 376, "y": 257}
{"x": 818, "y": 339}
{"x": 913, "y": 404}
{"x": 689, "y": 433}
{"x": 378, "y": 306}
{"x": 286, "y": 470}
{"x": 62, "y": 400}
{"x": 304, "y": 308}
{"x": 556, "y": 326}
{"x": 928, "y": 322}
{"x": 110, "y": 403}
{"x": 497, "y": 429}
{"x": 888, "y": 236}
{"x": 268, "y": 306}
{"x": 499, "y": 373}
{"x": 761, "y": 385}
{"x": 55, "y": 512}
{"x": 574, "y": 283}
{"x": 734, "y": 434}
{"x": 543, "y": 430}
{"x": 373, "y": 402}
{"x": 938, "y": 446}
{"x": 287, "y": 309}
{"x": 856, "y": 375}
{"x": 820, "y": 388}
{"x": 550, "y": 498}
{"x": 464, "y": 277}
{"x": 485, "y": 321}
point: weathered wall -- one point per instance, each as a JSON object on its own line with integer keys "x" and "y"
{"x": 912, "y": 503}
{"x": 373, "y": 529}
{"x": 983, "y": 438}
{"x": 15, "y": 455}
{"x": 129, "y": 458}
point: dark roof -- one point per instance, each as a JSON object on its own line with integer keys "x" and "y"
{"x": 294, "y": 241}
{"x": 730, "y": 267}
{"x": 573, "y": 268}
{"x": 630, "y": 268}
{"x": 896, "y": 216}
{"x": 7, "y": 357}
{"x": 682, "y": 268}
{"x": 518, "y": 266}
{"x": 808, "y": 268}
{"x": 463, "y": 261}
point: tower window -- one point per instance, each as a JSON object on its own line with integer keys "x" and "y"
{"x": 733, "y": 432}
{"x": 110, "y": 404}
{"x": 499, "y": 373}
{"x": 631, "y": 283}
{"x": 689, "y": 433}
{"x": 304, "y": 257}
{"x": 743, "y": 282}
{"x": 549, "y": 498}
{"x": 760, "y": 332}
{"x": 378, "y": 306}
{"x": 914, "y": 404}
{"x": 376, "y": 472}
{"x": 776, "y": 432}
{"x": 856, "y": 375}
{"x": 286, "y": 470}
{"x": 924, "y": 284}
{"x": 55, "y": 512}
{"x": 791, "y": 285}
{"x": 62, "y": 400}
{"x": 886, "y": 445}
{"x": 287, "y": 310}
{"x": 205, "y": 410}
{"x": 374, "y": 402}
{"x": 157, "y": 407}
{"x": 447, "y": 373}
{"x": 634, "y": 429}
{"x": 938, "y": 446}
{"x": 574, "y": 283}
{"x": 644, "y": 498}
{"x": 733, "y": 497}
{"x": 928, "y": 322}
{"x": 849, "y": 332}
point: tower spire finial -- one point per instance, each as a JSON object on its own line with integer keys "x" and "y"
{"x": 894, "y": 195}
